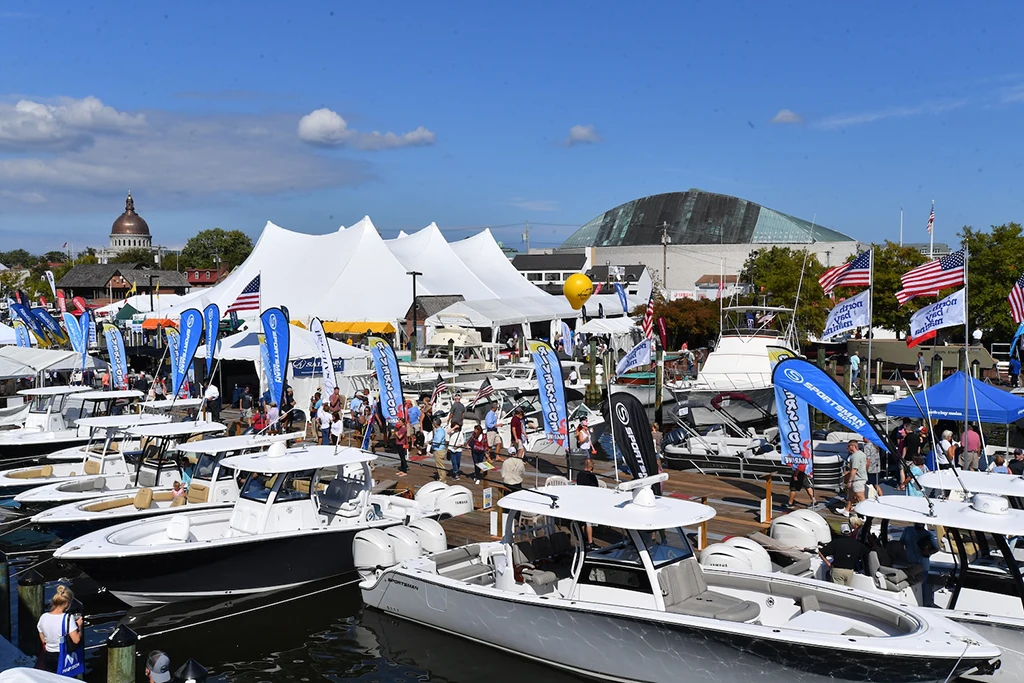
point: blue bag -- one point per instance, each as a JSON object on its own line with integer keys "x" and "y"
{"x": 69, "y": 657}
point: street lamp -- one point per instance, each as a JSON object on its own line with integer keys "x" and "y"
{"x": 216, "y": 265}
{"x": 412, "y": 335}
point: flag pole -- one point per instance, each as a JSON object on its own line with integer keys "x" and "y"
{"x": 967, "y": 351}
{"x": 901, "y": 226}
{"x": 931, "y": 237}
{"x": 871, "y": 315}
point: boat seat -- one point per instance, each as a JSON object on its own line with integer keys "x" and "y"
{"x": 892, "y": 579}
{"x": 455, "y": 556}
{"x": 34, "y": 473}
{"x": 198, "y": 493}
{"x": 179, "y": 501}
{"x": 109, "y": 504}
{"x": 522, "y": 553}
{"x": 809, "y": 603}
{"x": 686, "y": 592}
{"x": 343, "y": 497}
{"x": 144, "y": 499}
{"x": 542, "y": 548}
{"x": 561, "y": 544}
{"x": 99, "y": 482}
{"x": 163, "y": 496}
{"x": 522, "y": 558}
{"x": 180, "y": 529}
{"x": 468, "y": 572}
{"x": 92, "y": 467}
{"x": 798, "y": 568}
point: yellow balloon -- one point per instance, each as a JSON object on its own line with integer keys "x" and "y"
{"x": 577, "y": 290}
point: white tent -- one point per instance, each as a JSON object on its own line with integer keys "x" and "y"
{"x": 621, "y": 325}
{"x": 7, "y": 335}
{"x": 140, "y": 302}
{"x": 443, "y": 272}
{"x": 53, "y": 360}
{"x": 484, "y": 258}
{"x": 12, "y": 369}
{"x": 305, "y": 376}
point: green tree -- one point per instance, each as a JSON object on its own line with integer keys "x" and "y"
{"x": 775, "y": 273}
{"x": 232, "y": 246}
{"x": 17, "y": 257}
{"x": 135, "y": 255}
{"x": 891, "y": 262}
{"x": 995, "y": 260}
{"x": 694, "y": 322}
{"x": 55, "y": 257}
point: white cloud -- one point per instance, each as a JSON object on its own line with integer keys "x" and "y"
{"x": 63, "y": 124}
{"x": 787, "y": 116}
{"x": 582, "y": 135}
{"x": 327, "y": 128}
{"x": 24, "y": 197}
{"x": 927, "y": 108}
{"x": 533, "y": 204}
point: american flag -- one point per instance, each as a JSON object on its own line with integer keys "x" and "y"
{"x": 931, "y": 219}
{"x": 929, "y": 278}
{"x": 439, "y": 388}
{"x": 855, "y": 273}
{"x": 1016, "y": 299}
{"x": 484, "y": 391}
{"x": 249, "y": 299}
{"x": 648, "y": 323}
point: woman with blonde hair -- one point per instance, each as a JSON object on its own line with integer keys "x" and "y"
{"x": 55, "y": 623}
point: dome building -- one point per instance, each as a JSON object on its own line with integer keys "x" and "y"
{"x": 129, "y": 231}
{"x": 689, "y": 238}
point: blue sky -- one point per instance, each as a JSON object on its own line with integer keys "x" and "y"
{"x": 229, "y": 114}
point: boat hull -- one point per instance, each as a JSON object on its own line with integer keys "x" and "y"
{"x": 828, "y": 470}
{"x": 590, "y": 641}
{"x": 16, "y": 450}
{"x": 70, "y": 529}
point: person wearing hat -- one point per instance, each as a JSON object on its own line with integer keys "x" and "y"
{"x": 1016, "y": 465}
{"x": 491, "y": 426}
{"x": 158, "y": 667}
{"x": 846, "y": 553}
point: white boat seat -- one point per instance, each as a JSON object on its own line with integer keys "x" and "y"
{"x": 455, "y": 556}
{"x": 468, "y": 572}
{"x": 522, "y": 558}
{"x": 809, "y": 603}
{"x": 798, "y": 568}
{"x": 343, "y": 496}
{"x": 686, "y": 592}
{"x": 893, "y": 579}
{"x": 180, "y": 529}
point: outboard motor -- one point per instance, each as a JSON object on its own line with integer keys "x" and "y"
{"x": 801, "y": 529}
{"x": 452, "y": 501}
{"x": 405, "y": 542}
{"x": 736, "y": 556}
{"x": 758, "y": 557}
{"x": 431, "y": 535}
{"x": 371, "y": 550}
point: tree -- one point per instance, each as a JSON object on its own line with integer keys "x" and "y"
{"x": 694, "y": 322}
{"x": 891, "y": 262}
{"x": 17, "y": 257}
{"x": 232, "y": 246}
{"x": 995, "y": 260}
{"x": 775, "y": 274}
{"x": 135, "y": 255}
{"x": 55, "y": 257}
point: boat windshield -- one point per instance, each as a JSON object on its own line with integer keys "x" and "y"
{"x": 667, "y": 546}
{"x": 295, "y": 486}
{"x": 257, "y": 487}
{"x": 205, "y": 466}
{"x": 40, "y": 404}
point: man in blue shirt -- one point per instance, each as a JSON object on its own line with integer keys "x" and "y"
{"x": 439, "y": 447}
{"x": 491, "y": 427}
{"x": 920, "y": 545}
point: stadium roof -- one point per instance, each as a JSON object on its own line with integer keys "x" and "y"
{"x": 697, "y": 217}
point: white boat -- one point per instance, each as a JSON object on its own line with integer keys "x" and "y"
{"x": 473, "y": 359}
{"x": 133, "y": 461}
{"x": 211, "y": 486}
{"x": 642, "y": 609}
{"x": 965, "y": 482}
{"x": 293, "y": 523}
{"x": 521, "y": 377}
{"x": 51, "y": 424}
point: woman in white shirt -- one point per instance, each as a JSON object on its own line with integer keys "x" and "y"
{"x": 52, "y": 625}
{"x": 945, "y": 445}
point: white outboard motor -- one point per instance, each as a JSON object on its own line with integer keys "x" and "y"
{"x": 725, "y": 556}
{"x": 428, "y": 493}
{"x": 431, "y": 535}
{"x": 801, "y": 529}
{"x": 758, "y": 557}
{"x": 371, "y": 549}
{"x": 452, "y": 501}
{"x": 405, "y": 542}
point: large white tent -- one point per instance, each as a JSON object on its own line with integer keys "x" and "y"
{"x": 7, "y": 335}
{"x": 427, "y": 252}
{"x": 487, "y": 261}
{"x": 53, "y": 360}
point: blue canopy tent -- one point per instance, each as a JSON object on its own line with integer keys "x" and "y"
{"x": 945, "y": 401}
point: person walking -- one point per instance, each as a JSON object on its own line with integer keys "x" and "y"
{"x": 854, "y": 371}
{"x": 970, "y": 441}
{"x": 326, "y": 420}
{"x": 512, "y": 471}
{"x": 56, "y": 627}
{"x": 402, "y": 446}
{"x": 517, "y": 430}
{"x": 856, "y": 477}
{"x": 491, "y": 424}
{"x": 846, "y": 553}
{"x": 211, "y": 399}
{"x": 478, "y": 449}
{"x": 439, "y": 447}
{"x": 919, "y": 368}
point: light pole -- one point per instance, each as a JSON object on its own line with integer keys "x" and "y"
{"x": 216, "y": 265}
{"x": 412, "y": 335}
{"x": 665, "y": 241}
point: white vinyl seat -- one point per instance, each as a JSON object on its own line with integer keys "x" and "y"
{"x": 343, "y": 497}
{"x": 686, "y": 592}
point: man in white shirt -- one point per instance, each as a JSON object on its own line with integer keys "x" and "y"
{"x": 212, "y": 401}
{"x": 325, "y": 420}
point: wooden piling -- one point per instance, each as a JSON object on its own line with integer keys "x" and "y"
{"x": 121, "y": 646}
{"x": 30, "y": 608}
{"x": 5, "y": 597}
{"x": 191, "y": 672}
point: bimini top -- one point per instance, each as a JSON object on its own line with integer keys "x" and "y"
{"x": 106, "y": 395}
{"x": 53, "y": 391}
{"x": 953, "y": 514}
{"x": 177, "y": 429}
{"x": 279, "y": 459}
{"x": 120, "y": 421}
{"x": 227, "y": 444}
{"x": 171, "y": 403}
{"x": 609, "y": 507}
{"x": 1008, "y": 485}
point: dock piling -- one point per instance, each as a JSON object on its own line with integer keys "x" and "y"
{"x": 191, "y": 672}
{"x": 121, "y": 646}
{"x": 30, "y": 608}
{"x": 5, "y": 596}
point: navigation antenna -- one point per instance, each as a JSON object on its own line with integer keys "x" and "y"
{"x": 791, "y": 332}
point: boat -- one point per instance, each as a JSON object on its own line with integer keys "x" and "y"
{"x": 212, "y": 486}
{"x": 138, "y": 460}
{"x": 293, "y": 523}
{"x": 521, "y": 377}
{"x": 53, "y": 429}
{"x": 963, "y": 483}
{"x": 472, "y": 359}
{"x": 641, "y": 608}
{"x": 46, "y": 406}
{"x": 101, "y": 456}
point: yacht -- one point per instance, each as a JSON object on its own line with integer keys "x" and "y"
{"x": 293, "y": 523}
{"x": 102, "y": 454}
{"x": 211, "y": 486}
{"x": 133, "y": 456}
{"x": 472, "y": 358}
{"x": 641, "y": 608}
{"x": 51, "y": 424}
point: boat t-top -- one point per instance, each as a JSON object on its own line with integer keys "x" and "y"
{"x": 53, "y": 419}
{"x": 137, "y": 461}
{"x": 293, "y": 523}
{"x": 961, "y": 483}
{"x": 641, "y": 608}
{"x": 472, "y": 358}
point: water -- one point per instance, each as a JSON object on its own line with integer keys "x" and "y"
{"x": 318, "y": 632}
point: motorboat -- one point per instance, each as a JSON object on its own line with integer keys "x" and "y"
{"x": 641, "y": 608}
{"x": 962, "y": 483}
{"x": 139, "y": 460}
{"x": 642, "y": 385}
{"x": 45, "y": 408}
{"x": 754, "y": 454}
{"x": 294, "y": 522}
{"x": 211, "y": 486}
{"x": 51, "y": 424}
{"x": 175, "y": 407}
{"x": 471, "y": 358}
{"x": 521, "y": 377}
{"x": 102, "y": 455}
